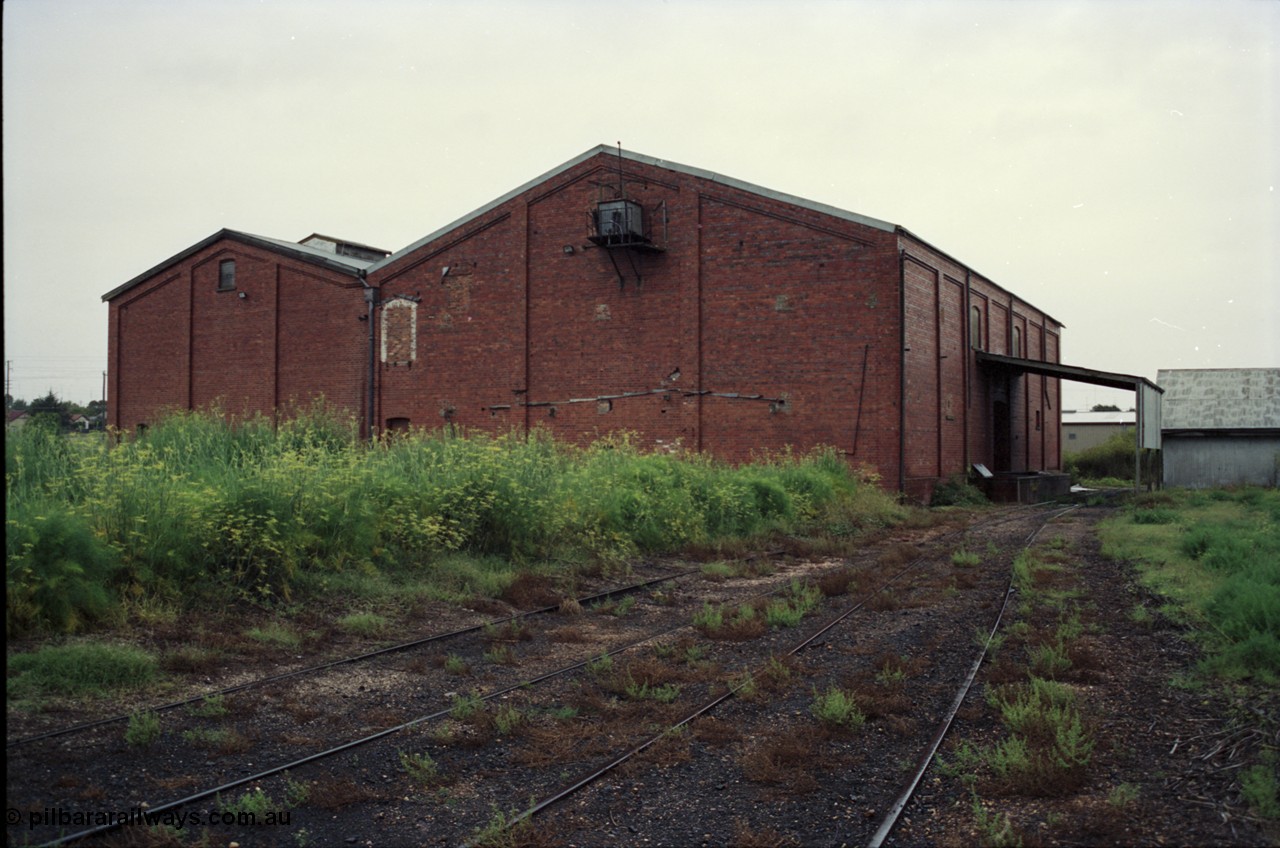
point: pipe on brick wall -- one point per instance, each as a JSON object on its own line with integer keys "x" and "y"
{"x": 902, "y": 371}
{"x": 968, "y": 366}
{"x": 371, "y": 300}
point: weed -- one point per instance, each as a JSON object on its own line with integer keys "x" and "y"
{"x": 455, "y": 664}
{"x": 276, "y": 635}
{"x": 599, "y": 666}
{"x": 264, "y": 507}
{"x": 214, "y": 706}
{"x": 364, "y": 624}
{"x": 563, "y": 713}
{"x": 464, "y": 707}
{"x": 507, "y": 719}
{"x": 421, "y": 768}
{"x": 502, "y": 831}
{"x": 643, "y": 691}
{"x": 995, "y": 830}
{"x": 1049, "y": 660}
{"x": 296, "y": 792}
{"x": 694, "y": 654}
{"x": 222, "y": 740}
{"x": 892, "y": 672}
{"x": 717, "y": 571}
{"x": 623, "y": 606}
{"x": 743, "y": 684}
{"x": 500, "y": 655}
{"x": 1260, "y": 790}
{"x": 962, "y": 764}
{"x": 782, "y": 614}
{"x": 143, "y": 729}
{"x": 709, "y": 620}
{"x": 836, "y": 708}
{"x": 965, "y": 559}
{"x": 1122, "y": 796}
{"x": 254, "y": 805}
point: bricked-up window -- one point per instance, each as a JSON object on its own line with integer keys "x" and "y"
{"x": 227, "y": 275}
{"x": 975, "y": 328}
{"x": 399, "y": 332}
{"x": 1017, "y": 341}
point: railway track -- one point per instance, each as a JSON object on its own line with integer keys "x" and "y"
{"x": 600, "y": 716}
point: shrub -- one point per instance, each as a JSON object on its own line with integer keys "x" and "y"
{"x": 57, "y": 570}
{"x": 957, "y": 491}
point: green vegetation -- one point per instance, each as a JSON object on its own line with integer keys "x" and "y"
{"x": 1107, "y": 464}
{"x": 957, "y": 491}
{"x": 214, "y": 706}
{"x": 364, "y": 623}
{"x": 266, "y": 511}
{"x": 464, "y": 707}
{"x": 1214, "y": 556}
{"x": 1261, "y": 790}
{"x": 80, "y": 669}
{"x": 254, "y": 805}
{"x": 837, "y": 708}
{"x": 421, "y": 768}
{"x": 143, "y": 729}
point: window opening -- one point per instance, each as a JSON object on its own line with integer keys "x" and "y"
{"x": 975, "y": 328}
{"x": 227, "y": 275}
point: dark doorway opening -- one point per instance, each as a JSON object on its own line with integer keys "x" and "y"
{"x": 1001, "y": 426}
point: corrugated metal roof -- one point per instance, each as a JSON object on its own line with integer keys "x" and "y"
{"x": 1221, "y": 398}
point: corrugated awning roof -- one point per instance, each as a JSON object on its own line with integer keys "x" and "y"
{"x": 1110, "y": 379}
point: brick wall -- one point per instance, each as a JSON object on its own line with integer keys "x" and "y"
{"x": 286, "y": 334}
{"x": 757, "y": 326}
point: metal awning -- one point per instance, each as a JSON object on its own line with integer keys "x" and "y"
{"x": 1110, "y": 379}
{"x": 1146, "y": 394}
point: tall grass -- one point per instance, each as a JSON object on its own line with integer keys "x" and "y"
{"x": 1216, "y": 556}
{"x": 258, "y": 509}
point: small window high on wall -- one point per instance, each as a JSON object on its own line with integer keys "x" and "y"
{"x": 227, "y": 275}
{"x": 975, "y": 328}
{"x": 1017, "y": 341}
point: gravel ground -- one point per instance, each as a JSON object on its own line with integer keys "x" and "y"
{"x": 760, "y": 769}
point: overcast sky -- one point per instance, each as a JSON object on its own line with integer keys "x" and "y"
{"x": 1114, "y": 163}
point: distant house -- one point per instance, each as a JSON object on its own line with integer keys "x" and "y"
{"x": 15, "y": 419}
{"x": 1221, "y": 426}
{"x": 1084, "y": 430}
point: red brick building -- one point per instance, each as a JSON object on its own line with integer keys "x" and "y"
{"x": 242, "y": 322}
{"x": 617, "y": 292}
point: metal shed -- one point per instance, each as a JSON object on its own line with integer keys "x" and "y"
{"x": 1221, "y": 426}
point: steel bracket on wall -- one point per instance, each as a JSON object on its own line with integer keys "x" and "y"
{"x": 631, "y": 260}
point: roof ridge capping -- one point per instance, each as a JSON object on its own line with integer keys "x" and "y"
{"x": 710, "y": 176}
